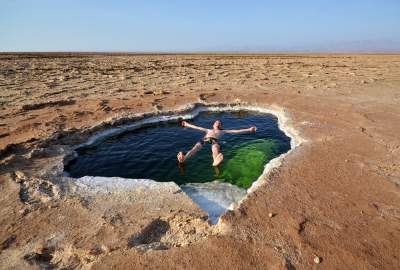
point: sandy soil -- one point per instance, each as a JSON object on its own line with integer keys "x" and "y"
{"x": 335, "y": 200}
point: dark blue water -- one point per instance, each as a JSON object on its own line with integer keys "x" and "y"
{"x": 150, "y": 152}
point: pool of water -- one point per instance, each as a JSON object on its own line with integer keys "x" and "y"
{"x": 150, "y": 152}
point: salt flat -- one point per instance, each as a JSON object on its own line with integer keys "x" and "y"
{"x": 335, "y": 197}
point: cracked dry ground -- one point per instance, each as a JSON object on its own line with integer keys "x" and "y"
{"x": 336, "y": 197}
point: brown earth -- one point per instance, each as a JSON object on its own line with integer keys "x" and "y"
{"x": 335, "y": 199}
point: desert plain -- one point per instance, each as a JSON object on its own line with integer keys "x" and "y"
{"x": 333, "y": 203}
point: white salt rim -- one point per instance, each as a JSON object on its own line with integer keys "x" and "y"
{"x": 114, "y": 184}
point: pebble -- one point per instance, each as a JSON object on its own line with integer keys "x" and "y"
{"x": 317, "y": 260}
{"x": 20, "y": 176}
{"x": 271, "y": 215}
{"x": 24, "y": 211}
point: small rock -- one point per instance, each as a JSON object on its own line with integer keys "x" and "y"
{"x": 99, "y": 249}
{"x": 18, "y": 180}
{"x": 271, "y": 215}
{"x": 317, "y": 260}
{"x": 19, "y": 176}
{"x": 24, "y": 211}
{"x": 157, "y": 107}
{"x": 202, "y": 97}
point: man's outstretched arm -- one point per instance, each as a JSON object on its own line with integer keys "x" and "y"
{"x": 186, "y": 124}
{"x": 238, "y": 131}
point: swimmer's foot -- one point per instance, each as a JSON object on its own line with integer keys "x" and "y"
{"x": 217, "y": 171}
{"x": 218, "y": 159}
{"x": 180, "y": 157}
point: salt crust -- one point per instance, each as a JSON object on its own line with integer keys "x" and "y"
{"x": 223, "y": 196}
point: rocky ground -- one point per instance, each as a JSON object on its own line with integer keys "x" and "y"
{"x": 333, "y": 204}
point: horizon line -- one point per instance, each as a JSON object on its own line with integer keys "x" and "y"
{"x": 238, "y": 52}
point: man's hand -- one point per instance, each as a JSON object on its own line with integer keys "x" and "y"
{"x": 253, "y": 129}
{"x": 188, "y": 125}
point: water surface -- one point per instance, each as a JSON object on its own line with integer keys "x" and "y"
{"x": 150, "y": 151}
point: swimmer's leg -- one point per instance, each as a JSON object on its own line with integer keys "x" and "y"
{"x": 217, "y": 171}
{"x": 181, "y": 157}
{"x": 216, "y": 154}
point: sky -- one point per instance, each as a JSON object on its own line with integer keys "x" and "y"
{"x": 199, "y": 25}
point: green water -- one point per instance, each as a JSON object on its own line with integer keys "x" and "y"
{"x": 248, "y": 161}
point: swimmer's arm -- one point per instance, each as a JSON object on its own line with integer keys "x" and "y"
{"x": 243, "y": 130}
{"x": 186, "y": 124}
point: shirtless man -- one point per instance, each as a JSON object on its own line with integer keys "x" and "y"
{"x": 212, "y": 136}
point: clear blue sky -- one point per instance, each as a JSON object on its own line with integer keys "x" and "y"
{"x": 203, "y": 25}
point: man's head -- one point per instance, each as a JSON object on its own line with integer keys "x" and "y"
{"x": 217, "y": 124}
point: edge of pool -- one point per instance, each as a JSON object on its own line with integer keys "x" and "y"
{"x": 97, "y": 184}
